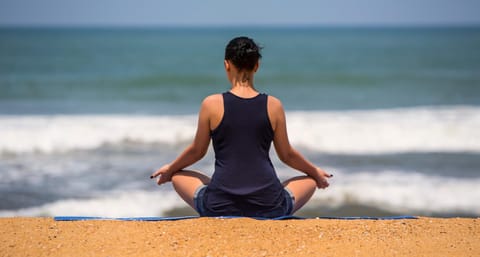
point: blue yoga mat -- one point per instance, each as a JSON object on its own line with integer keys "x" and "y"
{"x": 77, "y": 218}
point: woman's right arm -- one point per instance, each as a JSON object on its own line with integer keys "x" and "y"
{"x": 196, "y": 150}
{"x": 286, "y": 153}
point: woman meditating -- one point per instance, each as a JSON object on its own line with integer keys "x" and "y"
{"x": 242, "y": 123}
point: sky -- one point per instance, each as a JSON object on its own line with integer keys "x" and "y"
{"x": 244, "y": 12}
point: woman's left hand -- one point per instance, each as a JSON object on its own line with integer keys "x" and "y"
{"x": 164, "y": 174}
{"x": 321, "y": 178}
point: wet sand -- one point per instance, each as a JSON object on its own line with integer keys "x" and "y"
{"x": 241, "y": 237}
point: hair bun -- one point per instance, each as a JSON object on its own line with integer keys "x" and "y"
{"x": 243, "y": 52}
{"x": 246, "y": 49}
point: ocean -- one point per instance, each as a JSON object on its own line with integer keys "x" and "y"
{"x": 87, "y": 114}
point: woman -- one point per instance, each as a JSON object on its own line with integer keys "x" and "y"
{"x": 242, "y": 123}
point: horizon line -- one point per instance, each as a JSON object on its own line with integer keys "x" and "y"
{"x": 233, "y": 26}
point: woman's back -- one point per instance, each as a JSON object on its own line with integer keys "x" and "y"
{"x": 242, "y": 143}
{"x": 244, "y": 177}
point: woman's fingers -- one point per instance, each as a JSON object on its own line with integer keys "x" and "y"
{"x": 322, "y": 179}
{"x": 155, "y": 174}
{"x": 164, "y": 178}
{"x": 161, "y": 171}
{"x": 322, "y": 184}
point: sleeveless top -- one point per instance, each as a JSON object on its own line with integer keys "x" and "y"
{"x": 244, "y": 182}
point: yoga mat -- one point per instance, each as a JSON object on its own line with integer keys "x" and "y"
{"x": 77, "y": 218}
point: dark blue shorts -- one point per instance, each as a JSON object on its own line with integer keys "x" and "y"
{"x": 287, "y": 209}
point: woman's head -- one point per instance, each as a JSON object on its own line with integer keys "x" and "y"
{"x": 243, "y": 53}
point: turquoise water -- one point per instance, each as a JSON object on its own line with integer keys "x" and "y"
{"x": 87, "y": 114}
{"x": 171, "y": 70}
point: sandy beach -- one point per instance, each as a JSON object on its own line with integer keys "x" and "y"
{"x": 241, "y": 237}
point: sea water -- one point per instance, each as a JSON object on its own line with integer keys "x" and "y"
{"x": 87, "y": 114}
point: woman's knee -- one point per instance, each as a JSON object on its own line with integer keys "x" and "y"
{"x": 186, "y": 183}
{"x": 178, "y": 176}
{"x": 303, "y": 188}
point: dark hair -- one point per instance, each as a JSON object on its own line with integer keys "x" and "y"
{"x": 243, "y": 52}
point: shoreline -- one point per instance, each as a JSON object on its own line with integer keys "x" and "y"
{"x": 425, "y": 236}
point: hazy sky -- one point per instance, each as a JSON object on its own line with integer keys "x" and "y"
{"x": 243, "y": 12}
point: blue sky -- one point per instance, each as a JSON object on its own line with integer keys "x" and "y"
{"x": 244, "y": 12}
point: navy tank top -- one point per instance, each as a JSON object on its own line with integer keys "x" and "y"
{"x": 244, "y": 182}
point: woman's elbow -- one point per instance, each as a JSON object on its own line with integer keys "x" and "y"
{"x": 197, "y": 152}
{"x": 286, "y": 156}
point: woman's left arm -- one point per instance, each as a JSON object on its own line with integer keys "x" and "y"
{"x": 194, "y": 152}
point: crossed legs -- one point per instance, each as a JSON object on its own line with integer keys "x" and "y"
{"x": 186, "y": 182}
{"x": 302, "y": 188}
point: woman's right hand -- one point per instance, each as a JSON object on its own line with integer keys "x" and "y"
{"x": 164, "y": 173}
{"x": 321, "y": 178}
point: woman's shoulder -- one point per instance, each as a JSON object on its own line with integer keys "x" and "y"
{"x": 274, "y": 102}
{"x": 212, "y": 101}
{"x": 213, "y": 98}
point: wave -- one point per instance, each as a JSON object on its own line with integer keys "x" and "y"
{"x": 391, "y": 191}
{"x": 401, "y": 192}
{"x": 418, "y": 129}
{"x": 61, "y": 133}
{"x": 133, "y": 203}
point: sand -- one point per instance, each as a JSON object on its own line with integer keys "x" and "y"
{"x": 241, "y": 237}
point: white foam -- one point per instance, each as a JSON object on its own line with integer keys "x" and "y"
{"x": 114, "y": 204}
{"x": 403, "y": 192}
{"x": 23, "y": 134}
{"x": 449, "y": 129}
{"x": 394, "y": 191}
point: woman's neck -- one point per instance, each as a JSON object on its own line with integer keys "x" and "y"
{"x": 245, "y": 90}
{"x": 242, "y": 85}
